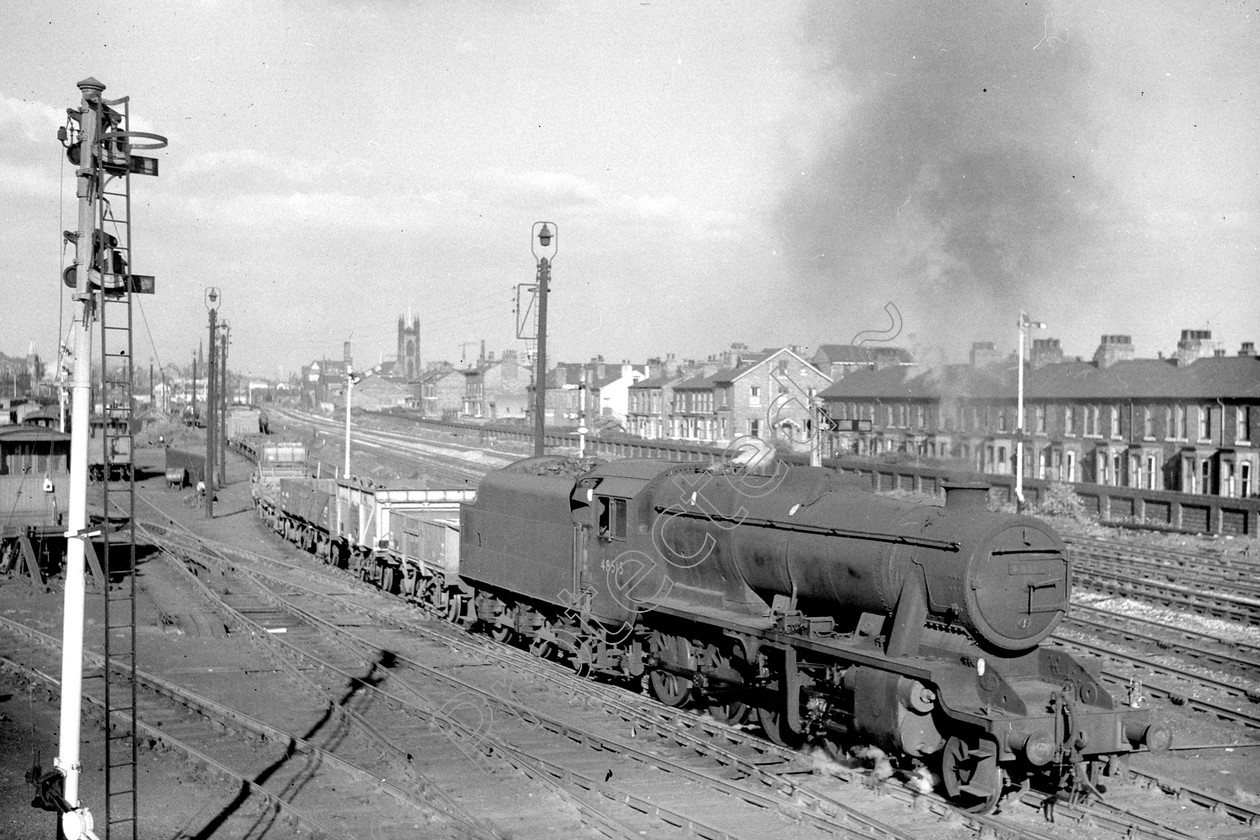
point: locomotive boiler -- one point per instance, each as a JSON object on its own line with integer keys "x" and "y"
{"x": 825, "y": 610}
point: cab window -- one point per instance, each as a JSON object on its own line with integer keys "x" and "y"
{"x": 612, "y": 518}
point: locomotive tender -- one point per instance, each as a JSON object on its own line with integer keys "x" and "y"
{"x": 798, "y": 597}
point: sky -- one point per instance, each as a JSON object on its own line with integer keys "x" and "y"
{"x": 764, "y": 173}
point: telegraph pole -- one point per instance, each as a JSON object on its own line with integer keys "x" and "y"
{"x": 349, "y": 390}
{"x": 194, "y": 389}
{"x": 224, "y": 402}
{"x": 212, "y": 304}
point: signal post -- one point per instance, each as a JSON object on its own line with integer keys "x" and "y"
{"x": 100, "y": 147}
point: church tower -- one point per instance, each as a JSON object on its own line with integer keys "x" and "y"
{"x": 408, "y": 349}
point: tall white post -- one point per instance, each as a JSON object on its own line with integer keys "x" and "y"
{"x": 1025, "y": 323}
{"x": 67, "y": 761}
{"x": 349, "y": 392}
{"x": 1019, "y": 418}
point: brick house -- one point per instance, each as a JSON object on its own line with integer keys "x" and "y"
{"x": 1143, "y": 423}
{"x": 442, "y": 392}
{"x": 496, "y": 389}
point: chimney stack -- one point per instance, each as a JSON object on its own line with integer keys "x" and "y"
{"x": 983, "y": 354}
{"x": 1112, "y": 349}
{"x": 1044, "y": 351}
{"x": 1195, "y": 344}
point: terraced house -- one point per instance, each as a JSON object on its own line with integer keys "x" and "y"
{"x": 1189, "y": 423}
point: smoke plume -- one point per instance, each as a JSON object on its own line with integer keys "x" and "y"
{"x": 945, "y": 164}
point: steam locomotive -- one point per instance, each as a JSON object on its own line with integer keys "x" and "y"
{"x": 798, "y": 598}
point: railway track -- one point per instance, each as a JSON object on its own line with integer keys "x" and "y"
{"x": 503, "y": 715}
{"x": 1238, "y": 812}
{"x": 1117, "y": 579}
{"x": 1215, "y": 650}
{"x": 317, "y": 779}
{"x": 761, "y": 764}
{"x": 438, "y": 457}
{"x": 1196, "y": 578}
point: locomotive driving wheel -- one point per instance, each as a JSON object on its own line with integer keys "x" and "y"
{"x": 673, "y": 651}
{"x": 729, "y": 669}
{"x": 971, "y": 774}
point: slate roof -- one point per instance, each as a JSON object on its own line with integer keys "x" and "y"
{"x": 860, "y": 354}
{"x": 1225, "y": 377}
{"x": 656, "y": 382}
{"x": 695, "y": 383}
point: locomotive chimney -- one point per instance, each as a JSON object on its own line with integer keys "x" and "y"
{"x": 967, "y": 495}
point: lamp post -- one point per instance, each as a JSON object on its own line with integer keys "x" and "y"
{"x": 212, "y": 304}
{"x": 1025, "y": 324}
{"x": 547, "y": 236}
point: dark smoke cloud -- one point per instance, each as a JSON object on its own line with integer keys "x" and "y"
{"x": 953, "y": 173}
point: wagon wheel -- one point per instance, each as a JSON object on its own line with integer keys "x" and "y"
{"x": 971, "y": 774}
{"x": 543, "y": 643}
{"x": 729, "y": 669}
{"x": 431, "y": 592}
{"x": 455, "y": 609}
{"x": 504, "y": 630}
{"x": 675, "y": 651}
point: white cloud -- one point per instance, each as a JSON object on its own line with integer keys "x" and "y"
{"x": 557, "y": 186}
{"x": 341, "y": 211}
{"x": 28, "y": 180}
{"x": 36, "y": 121}
{"x": 253, "y": 161}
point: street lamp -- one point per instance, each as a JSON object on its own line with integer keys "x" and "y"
{"x": 545, "y": 234}
{"x": 212, "y": 304}
{"x": 1025, "y": 324}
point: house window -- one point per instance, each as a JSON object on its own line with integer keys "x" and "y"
{"x": 1148, "y": 423}
{"x": 1001, "y": 419}
{"x": 1069, "y": 421}
{"x": 1091, "y": 421}
{"x": 754, "y": 427}
{"x": 1039, "y": 415}
{"x": 1205, "y": 422}
{"x": 1069, "y": 466}
{"x": 754, "y": 395}
{"x": 1242, "y": 423}
{"x": 1205, "y": 483}
{"x": 1244, "y": 480}
{"x": 1115, "y": 421}
{"x": 612, "y": 518}
{"x": 1152, "y": 473}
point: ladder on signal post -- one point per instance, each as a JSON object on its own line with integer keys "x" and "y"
{"x": 118, "y": 499}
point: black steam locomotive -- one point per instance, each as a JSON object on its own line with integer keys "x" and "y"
{"x": 816, "y": 606}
